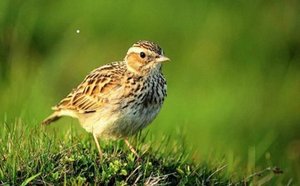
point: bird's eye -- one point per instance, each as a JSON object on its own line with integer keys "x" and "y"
{"x": 143, "y": 55}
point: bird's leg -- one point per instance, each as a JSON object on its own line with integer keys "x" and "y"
{"x": 98, "y": 146}
{"x": 131, "y": 148}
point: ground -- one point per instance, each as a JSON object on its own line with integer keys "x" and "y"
{"x": 36, "y": 156}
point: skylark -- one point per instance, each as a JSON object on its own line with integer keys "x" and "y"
{"x": 119, "y": 99}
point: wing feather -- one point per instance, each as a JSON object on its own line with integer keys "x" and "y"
{"x": 96, "y": 90}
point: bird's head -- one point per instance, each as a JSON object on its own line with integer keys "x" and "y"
{"x": 145, "y": 57}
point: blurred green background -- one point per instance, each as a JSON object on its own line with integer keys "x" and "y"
{"x": 233, "y": 82}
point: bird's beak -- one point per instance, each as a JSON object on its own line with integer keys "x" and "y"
{"x": 162, "y": 58}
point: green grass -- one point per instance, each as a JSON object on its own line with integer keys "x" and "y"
{"x": 36, "y": 156}
{"x": 41, "y": 158}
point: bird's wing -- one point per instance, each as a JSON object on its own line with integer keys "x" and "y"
{"x": 97, "y": 90}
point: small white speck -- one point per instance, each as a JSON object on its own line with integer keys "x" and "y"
{"x": 77, "y": 31}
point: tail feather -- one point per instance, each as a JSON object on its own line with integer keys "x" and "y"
{"x": 53, "y": 117}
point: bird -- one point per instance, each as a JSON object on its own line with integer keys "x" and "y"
{"x": 119, "y": 99}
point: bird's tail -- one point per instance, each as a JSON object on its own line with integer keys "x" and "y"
{"x": 53, "y": 117}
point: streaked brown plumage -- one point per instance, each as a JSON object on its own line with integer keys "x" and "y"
{"x": 121, "y": 98}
